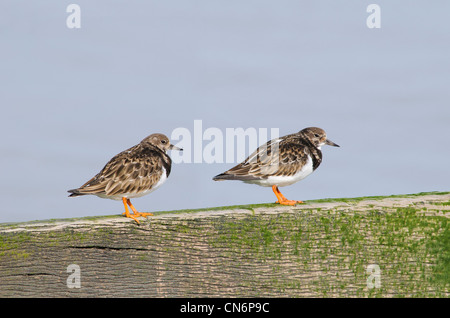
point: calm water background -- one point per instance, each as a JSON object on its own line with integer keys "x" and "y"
{"x": 73, "y": 98}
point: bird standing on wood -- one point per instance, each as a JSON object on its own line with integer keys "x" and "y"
{"x": 282, "y": 162}
{"x": 132, "y": 173}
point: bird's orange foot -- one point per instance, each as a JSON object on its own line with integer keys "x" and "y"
{"x": 135, "y": 214}
{"x": 139, "y": 214}
{"x": 142, "y": 214}
{"x": 282, "y": 199}
{"x": 289, "y": 202}
{"x": 128, "y": 215}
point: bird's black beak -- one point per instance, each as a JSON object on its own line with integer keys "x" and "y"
{"x": 172, "y": 147}
{"x": 330, "y": 143}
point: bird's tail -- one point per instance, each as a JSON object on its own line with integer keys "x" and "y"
{"x": 75, "y": 193}
{"x": 223, "y": 176}
{"x": 228, "y": 176}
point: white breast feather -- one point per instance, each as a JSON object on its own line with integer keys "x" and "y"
{"x": 283, "y": 181}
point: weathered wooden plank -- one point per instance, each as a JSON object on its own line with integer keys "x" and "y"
{"x": 313, "y": 250}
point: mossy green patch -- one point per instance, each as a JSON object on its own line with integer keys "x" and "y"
{"x": 12, "y": 246}
{"x": 440, "y": 249}
{"x": 341, "y": 246}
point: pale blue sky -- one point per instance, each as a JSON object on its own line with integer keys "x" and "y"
{"x": 73, "y": 98}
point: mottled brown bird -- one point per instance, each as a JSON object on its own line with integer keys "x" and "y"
{"x": 282, "y": 162}
{"x": 132, "y": 173}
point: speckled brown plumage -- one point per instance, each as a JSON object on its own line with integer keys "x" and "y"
{"x": 130, "y": 172}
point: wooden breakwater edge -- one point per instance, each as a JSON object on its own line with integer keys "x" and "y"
{"x": 394, "y": 246}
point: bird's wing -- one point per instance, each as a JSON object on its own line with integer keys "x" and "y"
{"x": 125, "y": 173}
{"x": 284, "y": 156}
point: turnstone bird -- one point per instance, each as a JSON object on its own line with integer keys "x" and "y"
{"x": 282, "y": 162}
{"x": 132, "y": 173}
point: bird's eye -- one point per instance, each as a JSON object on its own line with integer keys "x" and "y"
{"x": 316, "y": 135}
{"x": 163, "y": 141}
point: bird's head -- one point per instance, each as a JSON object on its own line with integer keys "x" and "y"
{"x": 317, "y": 136}
{"x": 161, "y": 141}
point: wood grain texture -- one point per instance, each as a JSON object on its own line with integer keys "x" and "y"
{"x": 319, "y": 249}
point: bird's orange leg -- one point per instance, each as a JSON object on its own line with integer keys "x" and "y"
{"x": 127, "y": 213}
{"x": 136, "y": 213}
{"x": 282, "y": 199}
